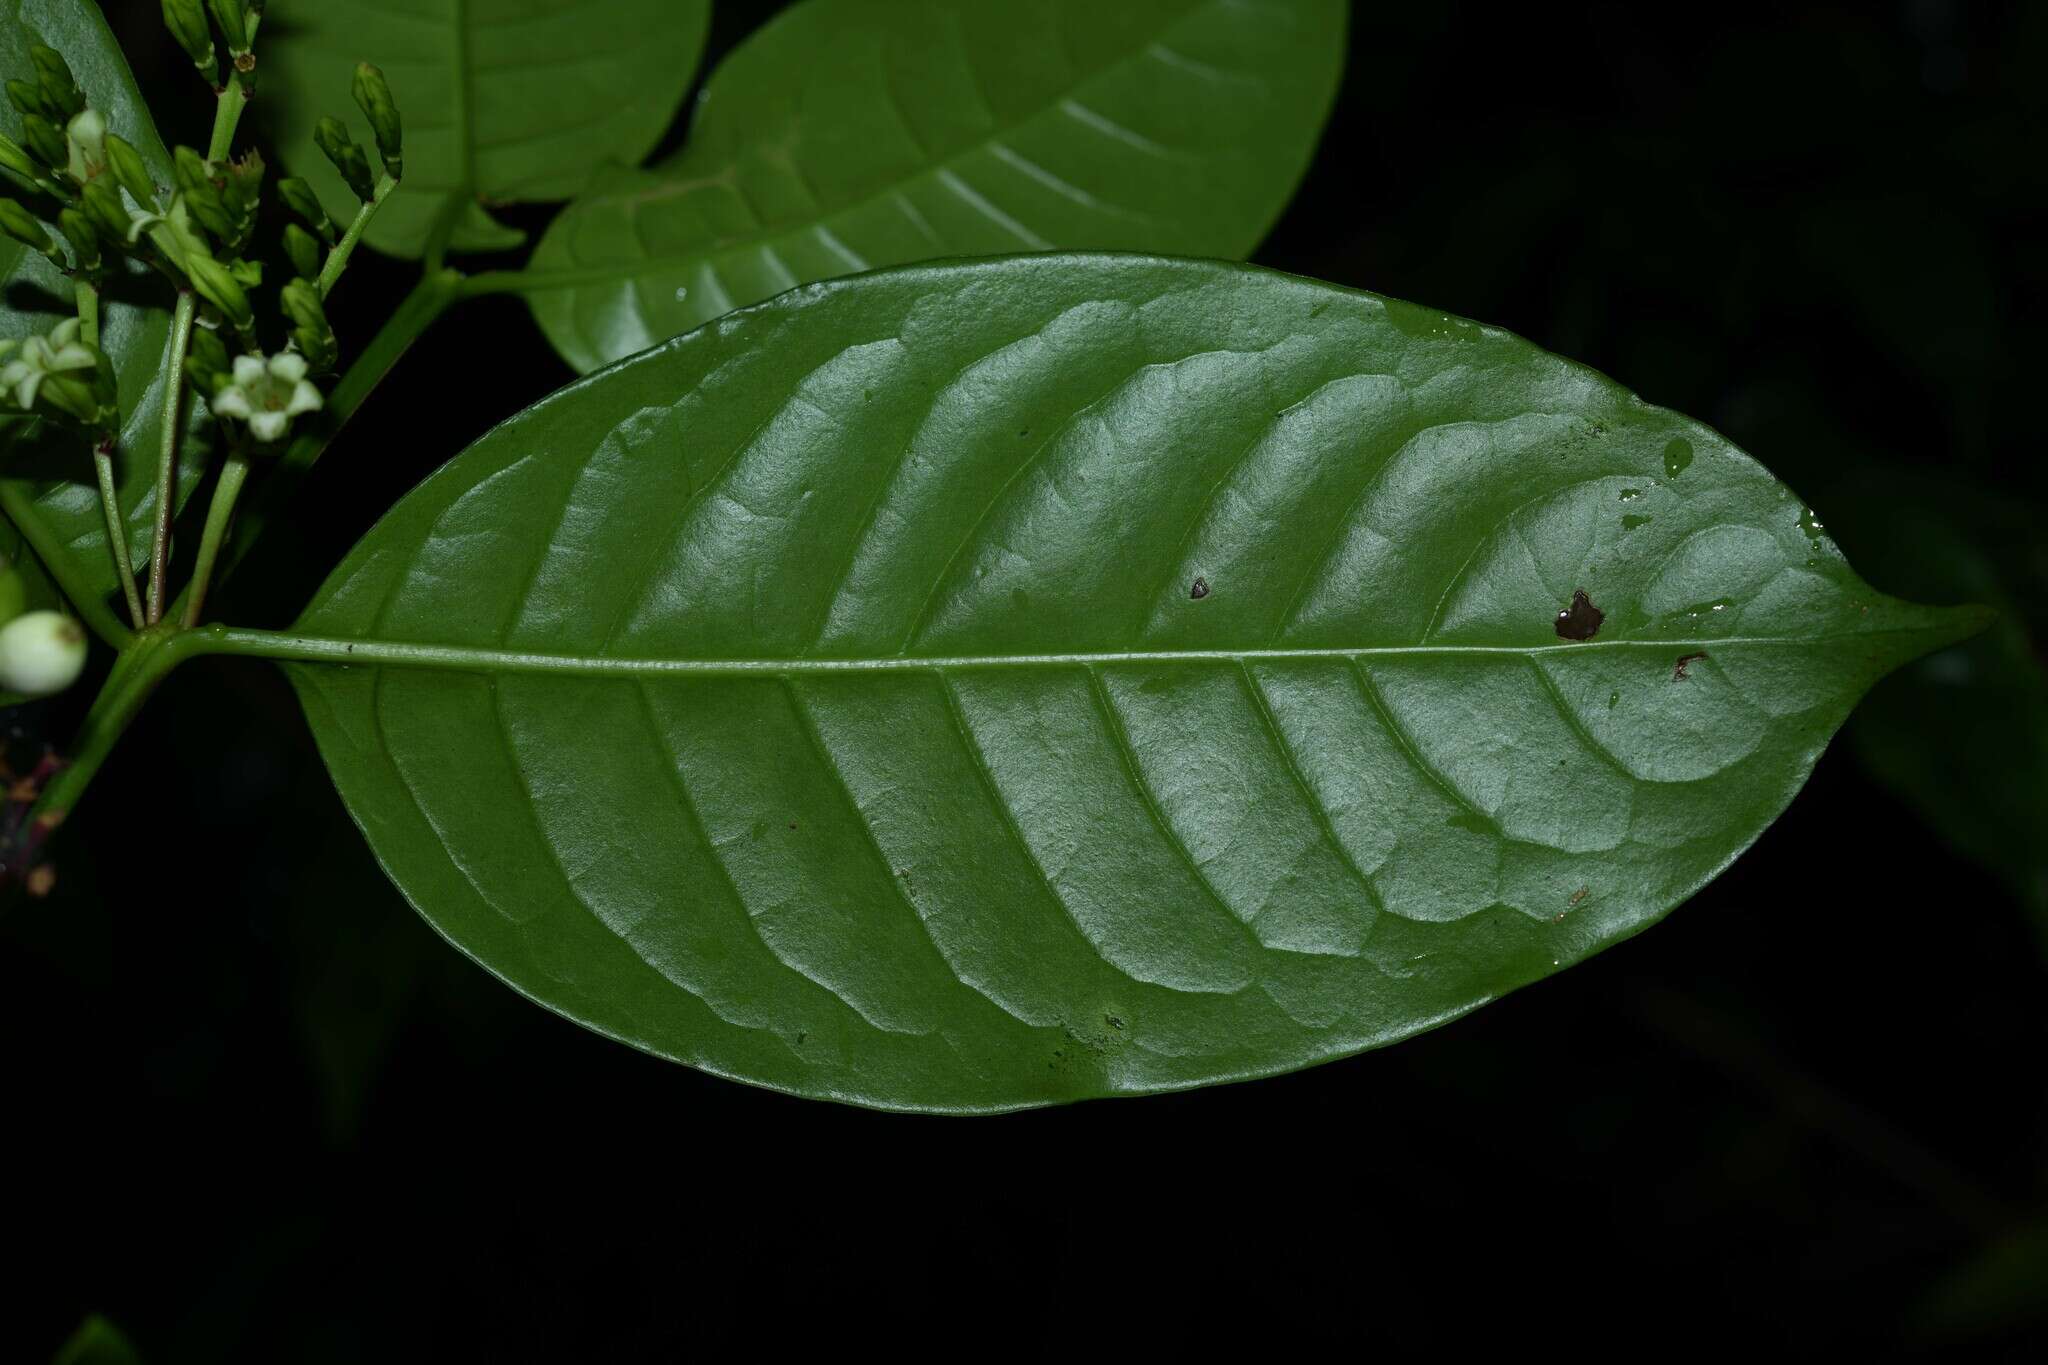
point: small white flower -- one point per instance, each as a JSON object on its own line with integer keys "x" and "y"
{"x": 267, "y": 392}
{"x": 40, "y": 357}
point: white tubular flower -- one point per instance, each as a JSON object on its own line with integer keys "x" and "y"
{"x": 40, "y": 357}
{"x": 267, "y": 392}
{"x": 85, "y": 138}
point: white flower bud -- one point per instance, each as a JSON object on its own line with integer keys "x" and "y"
{"x": 41, "y": 652}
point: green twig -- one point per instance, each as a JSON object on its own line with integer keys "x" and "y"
{"x": 443, "y": 231}
{"x": 88, "y": 296}
{"x": 140, "y": 668}
{"x": 167, "y": 452}
{"x": 117, "y": 533}
{"x": 219, "y": 515}
{"x": 338, "y": 254}
{"x": 535, "y": 281}
{"x": 227, "y": 113}
{"x": 231, "y": 99}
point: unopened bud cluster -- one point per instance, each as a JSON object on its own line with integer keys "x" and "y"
{"x": 92, "y": 202}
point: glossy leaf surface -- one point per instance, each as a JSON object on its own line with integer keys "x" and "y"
{"x": 827, "y": 698}
{"x": 847, "y": 135}
{"x": 48, "y": 466}
{"x": 504, "y": 101}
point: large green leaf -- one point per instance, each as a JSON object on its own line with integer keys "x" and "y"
{"x": 504, "y": 101}
{"x": 51, "y": 468}
{"x": 848, "y": 135}
{"x": 980, "y": 685}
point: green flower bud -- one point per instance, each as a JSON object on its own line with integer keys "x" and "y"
{"x": 75, "y": 399}
{"x": 339, "y": 145}
{"x": 101, "y": 202}
{"x": 189, "y": 170}
{"x": 84, "y": 238}
{"x": 85, "y": 148}
{"x": 373, "y": 97}
{"x": 303, "y": 251}
{"x": 174, "y": 232}
{"x": 54, "y": 81}
{"x": 206, "y": 209}
{"x": 206, "y": 362}
{"x": 49, "y": 145}
{"x": 14, "y": 158}
{"x": 24, "y": 227}
{"x": 27, "y": 98}
{"x": 13, "y": 593}
{"x": 234, "y": 28}
{"x": 216, "y": 284}
{"x": 299, "y": 197}
{"x": 186, "y": 20}
{"x": 310, "y": 332}
{"x": 41, "y": 652}
{"x": 130, "y": 172}
{"x": 241, "y": 190}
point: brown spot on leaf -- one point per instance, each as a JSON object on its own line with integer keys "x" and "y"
{"x": 1580, "y": 894}
{"x": 1678, "y": 673}
{"x": 1581, "y": 620}
{"x": 1200, "y": 589}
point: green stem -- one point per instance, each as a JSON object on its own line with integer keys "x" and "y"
{"x": 227, "y": 112}
{"x": 229, "y": 102}
{"x": 338, "y": 254}
{"x": 88, "y": 297}
{"x": 428, "y": 300}
{"x": 117, "y": 534}
{"x": 60, "y": 564}
{"x": 218, "y": 517}
{"x": 167, "y": 452}
{"x": 142, "y": 665}
{"x": 535, "y": 281}
{"x": 443, "y": 230}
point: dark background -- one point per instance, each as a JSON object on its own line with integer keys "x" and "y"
{"x": 255, "y": 1110}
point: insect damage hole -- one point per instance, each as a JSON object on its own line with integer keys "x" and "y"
{"x": 1581, "y": 620}
{"x": 1200, "y": 588}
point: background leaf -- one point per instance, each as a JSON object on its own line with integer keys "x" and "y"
{"x": 504, "y": 101}
{"x": 825, "y": 699}
{"x": 845, "y": 136}
{"x": 51, "y": 466}
{"x": 97, "y": 1342}
{"x": 1963, "y": 736}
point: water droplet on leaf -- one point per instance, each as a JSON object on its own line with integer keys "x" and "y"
{"x": 1677, "y": 457}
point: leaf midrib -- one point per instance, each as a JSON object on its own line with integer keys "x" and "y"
{"x": 296, "y": 648}
{"x": 531, "y": 280}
